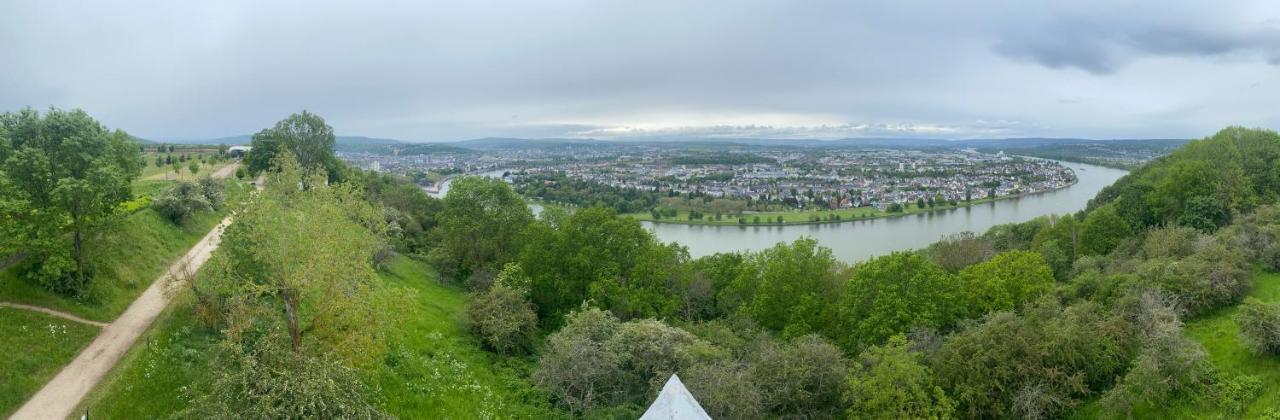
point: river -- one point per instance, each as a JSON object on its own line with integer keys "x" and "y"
{"x": 864, "y": 239}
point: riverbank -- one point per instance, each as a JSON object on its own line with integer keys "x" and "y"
{"x": 821, "y": 217}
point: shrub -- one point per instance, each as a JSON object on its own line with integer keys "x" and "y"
{"x": 1171, "y": 242}
{"x": 213, "y": 191}
{"x": 265, "y": 379}
{"x": 804, "y": 376}
{"x": 1260, "y": 326}
{"x": 180, "y": 203}
{"x": 503, "y": 318}
{"x": 890, "y": 381}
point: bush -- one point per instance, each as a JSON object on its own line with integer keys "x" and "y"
{"x": 804, "y": 376}
{"x": 214, "y": 191}
{"x": 503, "y": 318}
{"x": 1260, "y": 326}
{"x": 265, "y": 379}
{"x": 181, "y": 202}
{"x": 891, "y": 382}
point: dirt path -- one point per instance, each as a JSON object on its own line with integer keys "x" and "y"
{"x": 60, "y": 396}
{"x": 48, "y": 311}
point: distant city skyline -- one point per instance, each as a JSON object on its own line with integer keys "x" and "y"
{"x": 660, "y": 69}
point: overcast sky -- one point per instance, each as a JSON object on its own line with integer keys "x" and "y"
{"x": 612, "y": 69}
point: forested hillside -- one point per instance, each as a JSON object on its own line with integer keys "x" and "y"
{"x": 1113, "y": 312}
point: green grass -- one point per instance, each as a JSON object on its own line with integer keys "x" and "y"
{"x": 35, "y": 347}
{"x": 436, "y": 370}
{"x": 1220, "y": 336}
{"x": 159, "y": 374}
{"x": 128, "y": 256}
{"x": 797, "y": 216}
{"x": 439, "y": 371}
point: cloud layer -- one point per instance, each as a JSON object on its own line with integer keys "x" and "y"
{"x": 576, "y": 68}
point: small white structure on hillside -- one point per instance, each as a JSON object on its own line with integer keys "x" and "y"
{"x": 675, "y": 403}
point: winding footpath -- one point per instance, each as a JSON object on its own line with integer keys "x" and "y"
{"x": 59, "y": 398}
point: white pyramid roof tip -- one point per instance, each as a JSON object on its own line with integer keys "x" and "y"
{"x": 675, "y": 403}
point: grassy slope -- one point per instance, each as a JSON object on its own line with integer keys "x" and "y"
{"x": 129, "y": 256}
{"x": 437, "y": 371}
{"x": 1220, "y": 335}
{"x": 23, "y": 371}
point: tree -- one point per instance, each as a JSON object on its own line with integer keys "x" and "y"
{"x": 894, "y": 294}
{"x": 792, "y": 288}
{"x": 890, "y": 381}
{"x": 306, "y": 136}
{"x": 1102, "y": 230}
{"x": 481, "y": 226}
{"x": 180, "y": 202}
{"x": 194, "y": 168}
{"x": 920, "y": 203}
{"x": 960, "y": 250}
{"x": 304, "y": 259}
{"x": 1260, "y": 326}
{"x": 503, "y": 318}
{"x": 593, "y": 254}
{"x": 67, "y": 175}
{"x": 1005, "y": 282}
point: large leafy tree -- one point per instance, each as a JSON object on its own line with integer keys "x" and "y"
{"x": 302, "y": 259}
{"x": 481, "y": 226}
{"x": 894, "y": 294}
{"x": 593, "y": 254}
{"x": 306, "y": 136}
{"x": 64, "y": 175}
{"x": 793, "y": 289}
{"x": 1005, "y": 282}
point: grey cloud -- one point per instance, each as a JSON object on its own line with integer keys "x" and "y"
{"x": 454, "y": 70}
{"x": 1103, "y": 43}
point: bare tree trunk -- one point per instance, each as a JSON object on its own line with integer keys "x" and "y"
{"x": 291, "y": 312}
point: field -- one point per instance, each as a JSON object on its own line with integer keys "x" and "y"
{"x": 435, "y": 370}
{"x": 128, "y": 255}
{"x": 22, "y": 370}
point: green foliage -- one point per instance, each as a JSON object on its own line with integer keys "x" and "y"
{"x": 592, "y": 254}
{"x": 1004, "y": 282}
{"x": 1202, "y": 184}
{"x": 1260, "y": 326}
{"x": 181, "y": 202}
{"x": 305, "y": 136}
{"x": 481, "y": 226}
{"x": 303, "y": 258}
{"x": 960, "y": 250}
{"x": 890, "y": 381}
{"x": 791, "y": 289}
{"x": 503, "y": 319}
{"x": 265, "y": 379}
{"x": 894, "y": 294}
{"x": 1038, "y": 364}
{"x": 1169, "y": 366}
{"x": 1102, "y": 230}
{"x": 64, "y": 176}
